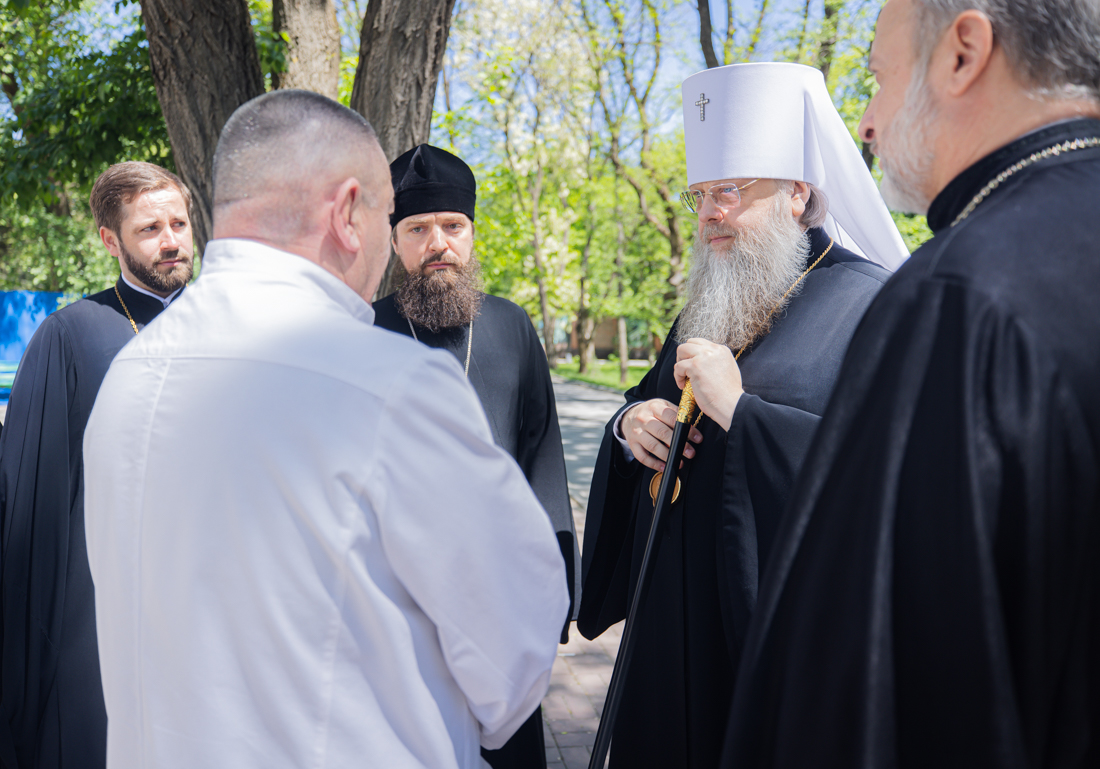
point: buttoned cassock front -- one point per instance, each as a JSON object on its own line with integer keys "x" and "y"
{"x": 307, "y": 550}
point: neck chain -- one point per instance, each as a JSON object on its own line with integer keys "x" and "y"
{"x": 126, "y": 309}
{"x": 1035, "y": 157}
{"x": 469, "y": 343}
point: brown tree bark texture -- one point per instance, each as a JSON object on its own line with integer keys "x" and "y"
{"x": 400, "y": 54}
{"x": 313, "y": 49}
{"x": 204, "y": 66}
{"x": 401, "y": 49}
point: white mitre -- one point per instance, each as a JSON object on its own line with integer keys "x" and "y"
{"x": 776, "y": 121}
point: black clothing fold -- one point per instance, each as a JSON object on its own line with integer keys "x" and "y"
{"x": 51, "y": 697}
{"x": 933, "y": 598}
{"x": 510, "y": 374}
{"x": 717, "y": 535}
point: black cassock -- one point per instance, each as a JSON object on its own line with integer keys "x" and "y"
{"x": 717, "y": 535}
{"x": 934, "y": 596}
{"x": 509, "y": 373}
{"x": 50, "y": 691}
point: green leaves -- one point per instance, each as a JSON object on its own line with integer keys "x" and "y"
{"x": 99, "y": 108}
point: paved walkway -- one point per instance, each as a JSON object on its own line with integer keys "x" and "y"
{"x": 582, "y": 672}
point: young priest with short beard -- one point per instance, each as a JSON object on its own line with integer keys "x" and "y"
{"x": 774, "y": 295}
{"x": 52, "y": 699}
{"x": 440, "y": 303}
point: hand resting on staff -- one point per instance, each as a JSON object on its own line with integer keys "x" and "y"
{"x": 647, "y": 428}
{"x": 715, "y": 378}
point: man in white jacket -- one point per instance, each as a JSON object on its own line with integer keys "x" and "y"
{"x": 295, "y": 520}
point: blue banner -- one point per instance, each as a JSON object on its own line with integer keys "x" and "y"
{"x": 21, "y": 313}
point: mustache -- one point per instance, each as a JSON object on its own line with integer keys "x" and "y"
{"x": 437, "y": 259}
{"x": 711, "y": 231}
{"x": 168, "y": 256}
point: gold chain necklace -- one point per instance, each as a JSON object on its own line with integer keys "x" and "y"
{"x": 469, "y": 343}
{"x": 126, "y": 309}
{"x": 1035, "y": 157}
{"x": 655, "y": 481}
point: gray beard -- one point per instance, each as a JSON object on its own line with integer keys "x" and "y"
{"x": 905, "y": 150}
{"x": 734, "y": 292}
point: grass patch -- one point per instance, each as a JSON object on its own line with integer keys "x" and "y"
{"x": 602, "y": 372}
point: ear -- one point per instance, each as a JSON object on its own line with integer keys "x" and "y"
{"x": 965, "y": 51}
{"x": 800, "y": 196}
{"x": 110, "y": 240}
{"x": 345, "y": 212}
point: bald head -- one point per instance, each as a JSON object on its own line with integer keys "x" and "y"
{"x": 299, "y": 172}
{"x": 279, "y": 147}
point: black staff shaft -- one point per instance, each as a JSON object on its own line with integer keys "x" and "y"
{"x": 645, "y": 577}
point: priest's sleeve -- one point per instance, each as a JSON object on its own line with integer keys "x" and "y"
{"x": 611, "y": 520}
{"x": 766, "y": 446}
{"x": 40, "y": 499}
{"x": 471, "y": 544}
{"x": 540, "y": 456}
{"x": 928, "y": 599}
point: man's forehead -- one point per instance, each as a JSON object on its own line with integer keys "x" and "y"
{"x": 435, "y": 216}
{"x": 150, "y": 203}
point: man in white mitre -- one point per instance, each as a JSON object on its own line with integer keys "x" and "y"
{"x": 294, "y": 518}
{"x": 793, "y": 244}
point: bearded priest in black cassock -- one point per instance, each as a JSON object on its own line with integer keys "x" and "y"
{"x": 440, "y": 304}
{"x": 771, "y": 282}
{"x": 934, "y": 596}
{"x": 51, "y": 697}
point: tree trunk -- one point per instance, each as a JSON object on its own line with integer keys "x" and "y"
{"x": 540, "y": 272}
{"x": 829, "y": 33}
{"x": 400, "y": 54}
{"x": 204, "y": 65}
{"x": 620, "y": 267}
{"x": 624, "y": 351}
{"x": 401, "y": 49}
{"x": 585, "y": 322}
{"x": 706, "y": 34}
{"x": 313, "y": 45}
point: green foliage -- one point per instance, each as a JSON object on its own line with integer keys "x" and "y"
{"x": 271, "y": 46}
{"x": 99, "y": 108}
{"x": 40, "y": 251}
{"x": 602, "y": 372}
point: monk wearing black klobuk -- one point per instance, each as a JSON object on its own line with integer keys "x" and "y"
{"x": 440, "y": 303}
{"x": 50, "y": 693}
{"x": 933, "y": 599}
{"x": 775, "y": 292}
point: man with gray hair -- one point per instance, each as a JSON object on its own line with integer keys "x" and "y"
{"x": 294, "y": 518}
{"x": 935, "y": 596}
{"x": 774, "y": 295}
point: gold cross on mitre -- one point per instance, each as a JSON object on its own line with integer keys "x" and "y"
{"x": 702, "y": 105}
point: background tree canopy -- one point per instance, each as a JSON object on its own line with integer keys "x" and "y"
{"x": 569, "y": 111}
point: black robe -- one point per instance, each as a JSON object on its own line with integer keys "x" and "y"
{"x": 934, "y": 596}
{"x": 716, "y": 537}
{"x": 509, "y": 373}
{"x": 51, "y": 697}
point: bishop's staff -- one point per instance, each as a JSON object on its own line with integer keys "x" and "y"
{"x": 662, "y": 503}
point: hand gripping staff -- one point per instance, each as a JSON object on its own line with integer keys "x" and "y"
{"x": 645, "y": 576}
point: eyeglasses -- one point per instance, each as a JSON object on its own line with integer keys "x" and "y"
{"x": 726, "y": 196}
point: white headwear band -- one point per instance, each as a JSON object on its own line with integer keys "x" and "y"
{"x": 776, "y": 121}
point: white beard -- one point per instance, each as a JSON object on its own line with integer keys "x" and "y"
{"x": 734, "y": 290}
{"x": 905, "y": 152}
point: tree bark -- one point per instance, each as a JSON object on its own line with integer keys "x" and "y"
{"x": 401, "y": 49}
{"x": 313, "y": 45}
{"x": 829, "y": 33}
{"x": 400, "y": 54}
{"x": 204, "y": 66}
{"x": 706, "y": 34}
